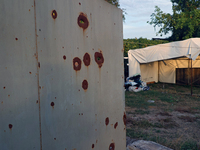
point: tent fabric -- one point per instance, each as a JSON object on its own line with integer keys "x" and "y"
{"x": 167, "y": 71}
{"x": 140, "y": 59}
{"x": 146, "y": 72}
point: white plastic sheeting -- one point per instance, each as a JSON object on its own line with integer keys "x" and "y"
{"x": 147, "y": 73}
{"x": 145, "y": 60}
{"x": 167, "y": 70}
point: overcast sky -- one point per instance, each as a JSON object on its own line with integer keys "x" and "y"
{"x": 138, "y": 13}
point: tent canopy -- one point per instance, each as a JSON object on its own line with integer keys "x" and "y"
{"x": 151, "y": 55}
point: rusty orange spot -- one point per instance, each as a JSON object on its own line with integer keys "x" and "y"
{"x": 124, "y": 118}
{"x": 83, "y": 21}
{"x": 52, "y": 104}
{"x": 54, "y": 14}
{"x": 85, "y": 84}
{"x": 86, "y": 59}
{"x": 30, "y": 73}
{"x": 99, "y": 59}
{"x": 10, "y": 126}
{"x": 64, "y": 57}
{"x": 116, "y": 124}
{"x": 107, "y": 121}
{"x": 77, "y": 64}
{"x": 112, "y": 146}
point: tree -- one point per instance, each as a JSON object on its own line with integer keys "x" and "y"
{"x": 184, "y": 23}
{"x": 140, "y": 43}
{"x": 114, "y": 2}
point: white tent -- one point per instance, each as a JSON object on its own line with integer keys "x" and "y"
{"x": 159, "y": 62}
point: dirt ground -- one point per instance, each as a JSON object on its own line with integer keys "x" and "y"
{"x": 169, "y": 116}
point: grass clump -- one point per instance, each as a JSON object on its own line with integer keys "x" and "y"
{"x": 189, "y": 145}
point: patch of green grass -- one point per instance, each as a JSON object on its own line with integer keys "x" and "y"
{"x": 165, "y": 130}
{"x": 136, "y": 134}
{"x": 157, "y": 131}
{"x": 196, "y": 108}
{"x": 189, "y": 145}
{"x": 138, "y": 111}
{"x": 158, "y": 125}
{"x": 139, "y": 100}
{"x": 145, "y": 124}
{"x": 158, "y": 139}
{"x": 166, "y": 98}
{"x": 142, "y": 112}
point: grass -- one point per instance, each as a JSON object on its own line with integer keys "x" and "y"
{"x": 173, "y": 119}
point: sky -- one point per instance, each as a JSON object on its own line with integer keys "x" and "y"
{"x": 138, "y": 13}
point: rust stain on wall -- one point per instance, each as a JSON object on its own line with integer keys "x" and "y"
{"x": 64, "y": 57}
{"x": 10, "y": 126}
{"x": 52, "y": 104}
{"x": 85, "y": 84}
{"x": 124, "y": 118}
{"x": 112, "y": 146}
{"x": 77, "y": 64}
{"x": 54, "y": 14}
{"x": 86, "y": 59}
{"x": 116, "y": 124}
{"x": 107, "y": 121}
{"x": 99, "y": 58}
{"x": 83, "y": 21}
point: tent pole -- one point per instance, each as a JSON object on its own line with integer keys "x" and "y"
{"x": 191, "y": 76}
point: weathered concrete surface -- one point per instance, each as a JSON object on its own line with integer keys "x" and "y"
{"x": 145, "y": 145}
